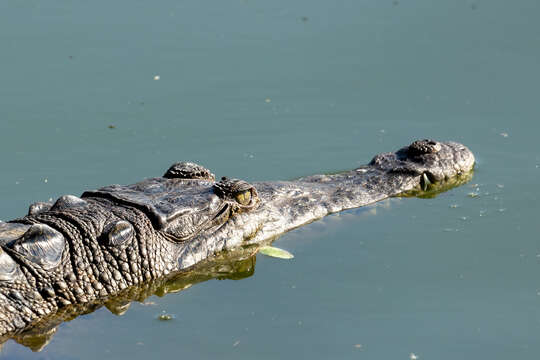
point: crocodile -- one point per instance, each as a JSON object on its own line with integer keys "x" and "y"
{"x": 85, "y": 250}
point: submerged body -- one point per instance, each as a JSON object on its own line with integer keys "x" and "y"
{"x": 87, "y": 249}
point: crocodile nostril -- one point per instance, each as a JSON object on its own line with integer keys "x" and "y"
{"x": 421, "y": 147}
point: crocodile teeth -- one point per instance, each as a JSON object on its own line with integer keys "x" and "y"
{"x": 424, "y": 182}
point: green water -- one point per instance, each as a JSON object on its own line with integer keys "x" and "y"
{"x": 276, "y": 90}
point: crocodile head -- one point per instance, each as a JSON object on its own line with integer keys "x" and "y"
{"x": 202, "y": 216}
{"x": 78, "y": 250}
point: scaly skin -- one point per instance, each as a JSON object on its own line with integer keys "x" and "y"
{"x": 86, "y": 250}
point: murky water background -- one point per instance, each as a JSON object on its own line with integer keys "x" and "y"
{"x": 94, "y": 93}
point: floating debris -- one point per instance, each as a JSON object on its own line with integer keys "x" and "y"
{"x": 236, "y": 343}
{"x": 45, "y": 180}
{"x": 358, "y": 346}
{"x": 267, "y": 100}
{"x": 504, "y": 135}
{"x": 275, "y": 252}
{"x": 473, "y": 194}
{"x": 165, "y": 317}
{"x": 111, "y": 126}
{"x": 413, "y": 356}
{"x": 157, "y": 77}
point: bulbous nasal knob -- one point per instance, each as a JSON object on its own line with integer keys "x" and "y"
{"x": 422, "y": 147}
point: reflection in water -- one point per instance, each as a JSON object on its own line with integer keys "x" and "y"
{"x": 234, "y": 265}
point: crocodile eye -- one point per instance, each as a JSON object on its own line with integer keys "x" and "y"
{"x": 237, "y": 190}
{"x": 243, "y": 197}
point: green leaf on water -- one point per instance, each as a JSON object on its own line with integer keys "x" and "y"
{"x": 275, "y": 252}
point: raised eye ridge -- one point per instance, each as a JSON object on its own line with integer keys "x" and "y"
{"x": 237, "y": 190}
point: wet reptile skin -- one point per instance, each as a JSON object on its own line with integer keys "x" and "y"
{"x": 82, "y": 250}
